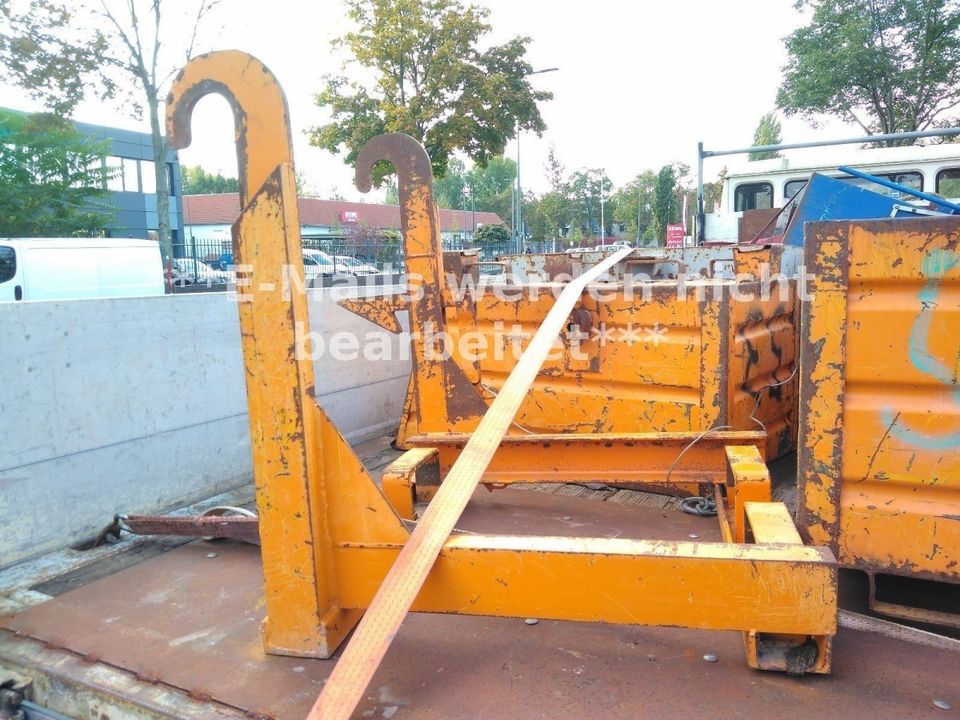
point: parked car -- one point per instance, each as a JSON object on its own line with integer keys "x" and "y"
{"x": 187, "y": 271}
{"x": 357, "y": 267}
{"x": 76, "y": 268}
{"x": 317, "y": 263}
{"x": 613, "y": 247}
{"x": 493, "y": 271}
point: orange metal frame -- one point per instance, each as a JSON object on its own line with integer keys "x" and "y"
{"x": 329, "y": 536}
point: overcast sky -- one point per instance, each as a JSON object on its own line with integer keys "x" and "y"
{"x": 639, "y": 83}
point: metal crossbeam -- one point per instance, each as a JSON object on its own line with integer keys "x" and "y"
{"x": 710, "y": 585}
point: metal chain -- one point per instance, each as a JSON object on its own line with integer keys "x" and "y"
{"x": 705, "y": 507}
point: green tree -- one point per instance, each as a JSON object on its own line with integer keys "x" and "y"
{"x": 427, "y": 77}
{"x": 62, "y": 51}
{"x": 575, "y": 237}
{"x": 533, "y": 220}
{"x": 392, "y": 195}
{"x": 488, "y": 182}
{"x": 584, "y": 188}
{"x": 554, "y": 209}
{"x": 491, "y": 234}
{"x": 197, "y": 181}
{"x": 388, "y": 249}
{"x": 712, "y": 192}
{"x": 633, "y": 204}
{"x": 556, "y": 173}
{"x": 767, "y": 133}
{"x": 450, "y": 190}
{"x": 666, "y": 209}
{"x": 52, "y": 178}
{"x": 886, "y": 65}
{"x": 492, "y": 187}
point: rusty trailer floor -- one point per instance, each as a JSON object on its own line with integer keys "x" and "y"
{"x": 178, "y": 635}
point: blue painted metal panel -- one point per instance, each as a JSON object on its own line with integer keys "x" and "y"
{"x": 944, "y": 206}
{"x": 824, "y": 198}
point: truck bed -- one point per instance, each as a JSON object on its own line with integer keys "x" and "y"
{"x": 176, "y": 633}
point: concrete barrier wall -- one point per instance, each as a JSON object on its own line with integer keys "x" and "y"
{"x": 138, "y": 405}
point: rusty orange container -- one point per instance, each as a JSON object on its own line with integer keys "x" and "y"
{"x": 635, "y": 357}
{"x": 879, "y": 443}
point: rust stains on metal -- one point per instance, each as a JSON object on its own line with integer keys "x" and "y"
{"x": 236, "y": 528}
{"x": 381, "y": 311}
{"x": 245, "y": 83}
{"x": 822, "y": 384}
{"x": 649, "y": 357}
{"x": 880, "y": 405}
{"x": 294, "y": 445}
{"x": 441, "y": 396}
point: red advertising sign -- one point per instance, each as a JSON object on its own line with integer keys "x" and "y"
{"x": 348, "y": 216}
{"x": 675, "y": 235}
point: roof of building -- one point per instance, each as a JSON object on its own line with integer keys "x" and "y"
{"x": 224, "y": 208}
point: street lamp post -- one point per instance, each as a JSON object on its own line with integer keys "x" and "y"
{"x": 603, "y": 232}
{"x": 638, "y": 214}
{"x": 518, "y": 206}
{"x": 463, "y": 205}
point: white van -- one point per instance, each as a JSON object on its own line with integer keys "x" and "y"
{"x": 75, "y": 268}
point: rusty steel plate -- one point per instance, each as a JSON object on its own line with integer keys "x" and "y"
{"x": 193, "y": 622}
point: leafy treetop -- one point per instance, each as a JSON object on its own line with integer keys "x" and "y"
{"x": 491, "y": 234}
{"x": 429, "y": 78}
{"x": 886, "y": 65}
{"x": 53, "y": 178}
{"x": 767, "y": 133}
{"x": 197, "y": 181}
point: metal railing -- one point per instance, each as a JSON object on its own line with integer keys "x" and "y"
{"x": 200, "y": 261}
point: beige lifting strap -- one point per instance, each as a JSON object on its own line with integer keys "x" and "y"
{"x": 377, "y": 628}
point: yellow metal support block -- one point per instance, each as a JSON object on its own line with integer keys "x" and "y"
{"x": 634, "y": 582}
{"x": 612, "y": 458}
{"x": 770, "y": 523}
{"x": 417, "y": 467}
{"x": 748, "y": 481}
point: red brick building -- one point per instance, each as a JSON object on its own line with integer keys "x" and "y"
{"x": 210, "y": 217}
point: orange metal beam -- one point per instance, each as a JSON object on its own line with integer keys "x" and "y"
{"x": 771, "y": 589}
{"x": 602, "y": 458}
{"x": 296, "y": 449}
